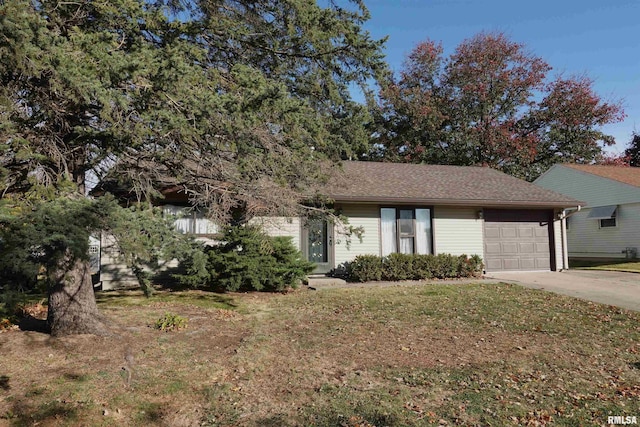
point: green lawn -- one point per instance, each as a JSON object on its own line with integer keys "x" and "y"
{"x": 490, "y": 354}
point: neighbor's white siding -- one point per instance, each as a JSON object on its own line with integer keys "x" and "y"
{"x": 588, "y": 240}
{"x": 366, "y": 216}
{"x": 457, "y": 231}
{"x": 592, "y": 189}
{"x": 281, "y": 226}
{"x": 585, "y": 237}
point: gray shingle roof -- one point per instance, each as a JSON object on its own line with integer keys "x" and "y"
{"x": 437, "y": 184}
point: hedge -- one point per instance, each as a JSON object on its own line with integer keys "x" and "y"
{"x": 367, "y": 268}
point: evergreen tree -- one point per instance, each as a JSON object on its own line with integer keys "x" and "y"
{"x": 236, "y": 102}
{"x": 632, "y": 153}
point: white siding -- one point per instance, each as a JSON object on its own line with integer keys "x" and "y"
{"x": 113, "y": 272}
{"x": 457, "y": 231}
{"x": 586, "y": 238}
{"x": 281, "y": 226}
{"x": 592, "y": 189}
{"x": 366, "y": 216}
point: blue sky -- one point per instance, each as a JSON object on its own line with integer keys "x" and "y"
{"x": 598, "y": 38}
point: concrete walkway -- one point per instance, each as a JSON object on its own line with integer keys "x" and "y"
{"x": 606, "y": 287}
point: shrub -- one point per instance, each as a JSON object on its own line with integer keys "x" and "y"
{"x": 170, "y": 322}
{"x": 247, "y": 260}
{"x": 446, "y": 266}
{"x": 470, "y": 266}
{"x": 423, "y": 267}
{"x": 397, "y": 267}
{"x": 364, "y": 268}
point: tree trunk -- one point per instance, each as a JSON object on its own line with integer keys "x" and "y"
{"x": 72, "y": 303}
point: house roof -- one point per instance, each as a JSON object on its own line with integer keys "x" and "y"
{"x": 624, "y": 174}
{"x": 437, "y": 184}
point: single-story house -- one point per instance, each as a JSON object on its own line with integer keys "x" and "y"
{"x": 428, "y": 209}
{"x": 609, "y": 225}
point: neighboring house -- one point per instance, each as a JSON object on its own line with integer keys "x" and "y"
{"x": 429, "y": 209}
{"x": 609, "y": 225}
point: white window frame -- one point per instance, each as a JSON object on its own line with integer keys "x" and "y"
{"x": 387, "y": 247}
{"x": 195, "y": 220}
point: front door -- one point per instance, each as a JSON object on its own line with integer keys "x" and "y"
{"x": 317, "y": 238}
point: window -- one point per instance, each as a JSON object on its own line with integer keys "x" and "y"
{"x": 405, "y": 230}
{"x": 606, "y": 215}
{"x": 190, "y": 221}
{"x": 608, "y": 222}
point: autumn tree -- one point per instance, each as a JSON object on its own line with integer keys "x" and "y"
{"x": 238, "y": 103}
{"x": 489, "y": 103}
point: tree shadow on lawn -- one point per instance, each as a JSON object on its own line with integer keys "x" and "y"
{"x": 30, "y": 323}
{"x": 129, "y": 298}
{"x": 4, "y": 382}
{"x": 24, "y": 414}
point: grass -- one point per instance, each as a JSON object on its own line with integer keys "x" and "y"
{"x": 609, "y": 265}
{"x": 401, "y": 356}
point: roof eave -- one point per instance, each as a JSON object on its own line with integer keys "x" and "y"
{"x": 458, "y": 202}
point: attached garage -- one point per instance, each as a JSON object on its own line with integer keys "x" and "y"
{"x": 518, "y": 240}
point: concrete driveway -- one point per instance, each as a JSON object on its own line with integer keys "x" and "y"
{"x": 606, "y": 287}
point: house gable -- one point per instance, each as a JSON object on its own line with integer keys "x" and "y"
{"x": 594, "y": 189}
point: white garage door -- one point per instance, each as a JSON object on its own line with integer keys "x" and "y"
{"x": 517, "y": 240}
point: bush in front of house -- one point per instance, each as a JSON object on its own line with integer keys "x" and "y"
{"x": 367, "y": 268}
{"x": 247, "y": 259}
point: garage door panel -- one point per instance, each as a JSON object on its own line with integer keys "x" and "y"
{"x": 542, "y": 231}
{"x": 542, "y": 248}
{"x": 527, "y": 264}
{"x": 517, "y": 240}
{"x": 509, "y": 248}
{"x": 510, "y": 264}
{"x": 492, "y": 232}
{"x": 508, "y": 232}
{"x": 494, "y": 264}
{"x": 493, "y": 248}
{"x": 543, "y": 263}
{"x": 525, "y": 232}
{"x": 527, "y": 248}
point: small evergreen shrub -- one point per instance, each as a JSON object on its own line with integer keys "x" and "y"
{"x": 397, "y": 267}
{"x": 446, "y": 266}
{"x": 470, "y": 266}
{"x": 423, "y": 267}
{"x": 247, "y": 260}
{"x": 366, "y": 268}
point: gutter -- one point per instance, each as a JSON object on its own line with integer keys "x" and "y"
{"x": 452, "y": 202}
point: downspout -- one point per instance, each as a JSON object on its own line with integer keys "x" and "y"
{"x": 565, "y": 251}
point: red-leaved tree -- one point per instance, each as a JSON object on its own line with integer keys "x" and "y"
{"x": 489, "y": 103}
